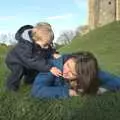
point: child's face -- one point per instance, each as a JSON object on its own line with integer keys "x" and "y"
{"x": 42, "y": 38}
{"x": 43, "y": 44}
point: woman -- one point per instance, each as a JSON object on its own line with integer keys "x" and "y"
{"x": 80, "y": 76}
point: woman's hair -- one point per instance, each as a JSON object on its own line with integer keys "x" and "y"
{"x": 45, "y": 27}
{"x": 87, "y": 72}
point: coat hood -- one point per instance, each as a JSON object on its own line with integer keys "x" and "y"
{"x": 24, "y": 33}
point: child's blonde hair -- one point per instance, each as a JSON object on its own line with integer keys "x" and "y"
{"x": 43, "y": 24}
{"x": 45, "y": 29}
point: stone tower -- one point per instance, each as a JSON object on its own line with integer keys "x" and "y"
{"x": 102, "y": 12}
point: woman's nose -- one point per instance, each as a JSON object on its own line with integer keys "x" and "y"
{"x": 65, "y": 71}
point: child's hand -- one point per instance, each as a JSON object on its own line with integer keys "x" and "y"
{"x": 72, "y": 93}
{"x": 55, "y": 55}
{"x": 55, "y": 71}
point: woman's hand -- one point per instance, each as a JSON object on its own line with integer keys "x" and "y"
{"x": 72, "y": 92}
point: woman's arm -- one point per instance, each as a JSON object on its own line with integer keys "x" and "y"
{"x": 43, "y": 87}
{"x": 52, "y": 92}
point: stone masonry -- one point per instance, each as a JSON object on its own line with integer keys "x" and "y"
{"x": 102, "y": 12}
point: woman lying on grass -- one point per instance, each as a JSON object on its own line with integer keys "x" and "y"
{"x": 81, "y": 75}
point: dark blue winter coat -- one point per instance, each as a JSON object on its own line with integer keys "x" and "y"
{"x": 27, "y": 53}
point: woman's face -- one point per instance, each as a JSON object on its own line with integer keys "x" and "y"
{"x": 69, "y": 71}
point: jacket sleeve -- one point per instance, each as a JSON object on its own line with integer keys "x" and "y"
{"x": 109, "y": 81}
{"x": 43, "y": 87}
{"x": 24, "y": 53}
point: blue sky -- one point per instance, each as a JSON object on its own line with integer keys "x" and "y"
{"x": 61, "y": 14}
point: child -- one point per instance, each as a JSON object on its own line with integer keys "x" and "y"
{"x": 31, "y": 54}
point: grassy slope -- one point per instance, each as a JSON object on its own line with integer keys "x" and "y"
{"x": 104, "y": 42}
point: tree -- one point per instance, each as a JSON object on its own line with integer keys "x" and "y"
{"x": 7, "y": 39}
{"x": 66, "y": 37}
{"x": 58, "y": 46}
{"x": 11, "y": 39}
{"x": 81, "y": 30}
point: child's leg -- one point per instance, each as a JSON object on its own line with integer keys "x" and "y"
{"x": 13, "y": 81}
{"x": 29, "y": 76}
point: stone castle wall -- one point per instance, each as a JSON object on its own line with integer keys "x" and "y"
{"x": 91, "y": 14}
{"x": 102, "y": 12}
{"x": 107, "y": 12}
{"x": 118, "y": 10}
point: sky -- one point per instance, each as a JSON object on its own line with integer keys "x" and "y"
{"x": 61, "y": 14}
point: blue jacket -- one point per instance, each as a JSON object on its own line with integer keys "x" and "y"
{"x": 47, "y": 85}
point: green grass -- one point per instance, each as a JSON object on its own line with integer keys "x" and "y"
{"x": 104, "y": 42}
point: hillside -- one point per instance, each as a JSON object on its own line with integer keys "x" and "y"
{"x": 104, "y": 42}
